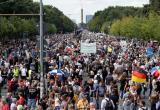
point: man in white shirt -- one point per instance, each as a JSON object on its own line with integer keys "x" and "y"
{"x": 23, "y": 72}
{"x": 13, "y": 104}
{"x": 107, "y": 103}
{"x": 1, "y": 79}
{"x": 80, "y": 72}
{"x": 154, "y": 84}
{"x": 6, "y": 64}
{"x": 98, "y": 77}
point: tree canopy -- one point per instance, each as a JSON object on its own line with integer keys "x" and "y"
{"x": 130, "y": 22}
{"x": 55, "y": 21}
{"x": 155, "y": 5}
{"x": 109, "y": 15}
{"x": 138, "y": 27}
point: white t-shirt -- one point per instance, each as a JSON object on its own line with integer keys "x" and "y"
{"x": 1, "y": 79}
{"x": 154, "y": 84}
{"x": 95, "y": 78}
{"x": 115, "y": 65}
{"x": 13, "y": 106}
{"x": 60, "y": 58}
{"x": 23, "y": 71}
{"x": 115, "y": 76}
{"x": 80, "y": 72}
{"x": 6, "y": 64}
{"x": 71, "y": 83}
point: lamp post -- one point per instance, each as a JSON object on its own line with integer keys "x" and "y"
{"x": 41, "y": 51}
{"x": 41, "y": 41}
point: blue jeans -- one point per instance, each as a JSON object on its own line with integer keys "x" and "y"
{"x": 121, "y": 94}
{"x": 31, "y": 104}
{"x": 57, "y": 108}
{"x": 95, "y": 86}
{"x": 60, "y": 64}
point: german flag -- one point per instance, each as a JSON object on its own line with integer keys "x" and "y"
{"x": 139, "y": 76}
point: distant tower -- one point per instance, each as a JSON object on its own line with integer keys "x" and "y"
{"x": 82, "y": 16}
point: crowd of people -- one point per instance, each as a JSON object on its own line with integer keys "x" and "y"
{"x": 96, "y": 81}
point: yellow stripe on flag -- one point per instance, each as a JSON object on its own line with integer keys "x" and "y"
{"x": 138, "y": 80}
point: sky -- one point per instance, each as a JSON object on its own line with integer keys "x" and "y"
{"x": 72, "y": 8}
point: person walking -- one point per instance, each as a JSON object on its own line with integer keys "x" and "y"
{"x": 107, "y": 103}
{"x": 32, "y": 95}
{"x": 83, "y": 103}
{"x": 142, "y": 106}
{"x": 13, "y": 104}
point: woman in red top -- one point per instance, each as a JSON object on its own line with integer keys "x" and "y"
{"x": 5, "y": 106}
{"x": 21, "y": 100}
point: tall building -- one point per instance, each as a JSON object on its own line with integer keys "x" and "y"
{"x": 81, "y": 16}
{"x": 88, "y": 18}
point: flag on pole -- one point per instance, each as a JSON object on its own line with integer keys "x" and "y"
{"x": 139, "y": 76}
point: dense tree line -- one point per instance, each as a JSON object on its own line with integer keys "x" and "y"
{"x": 138, "y": 27}
{"x": 15, "y": 26}
{"x": 102, "y": 20}
{"x": 54, "y": 20}
{"x": 155, "y": 5}
{"x": 129, "y": 21}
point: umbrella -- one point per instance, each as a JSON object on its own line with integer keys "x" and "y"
{"x": 155, "y": 71}
{"x": 57, "y": 72}
{"x": 68, "y": 49}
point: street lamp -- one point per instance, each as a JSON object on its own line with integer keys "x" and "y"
{"x": 41, "y": 51}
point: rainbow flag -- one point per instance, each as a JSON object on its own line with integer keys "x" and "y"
{"x": 139, "y": 76}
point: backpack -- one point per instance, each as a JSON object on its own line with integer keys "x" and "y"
{"x": 109, "y": 105}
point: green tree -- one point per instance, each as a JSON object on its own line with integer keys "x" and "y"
{"x": 51, "y": 28}
{"x": 149, "y": 25}
{"x": 6, "y": 27}
{"x": 3, "y": 26}
{"x": 111, "y": 14}
{"x": 96, "y": 24}
{"x": 116, "y": 28}
{"x": 140, "y": 27}
{"x": 16, "y": 26}
{"x": 155, "y": 5}
{"x": 105, "y": 27}
{"x": 56, "y": 17}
